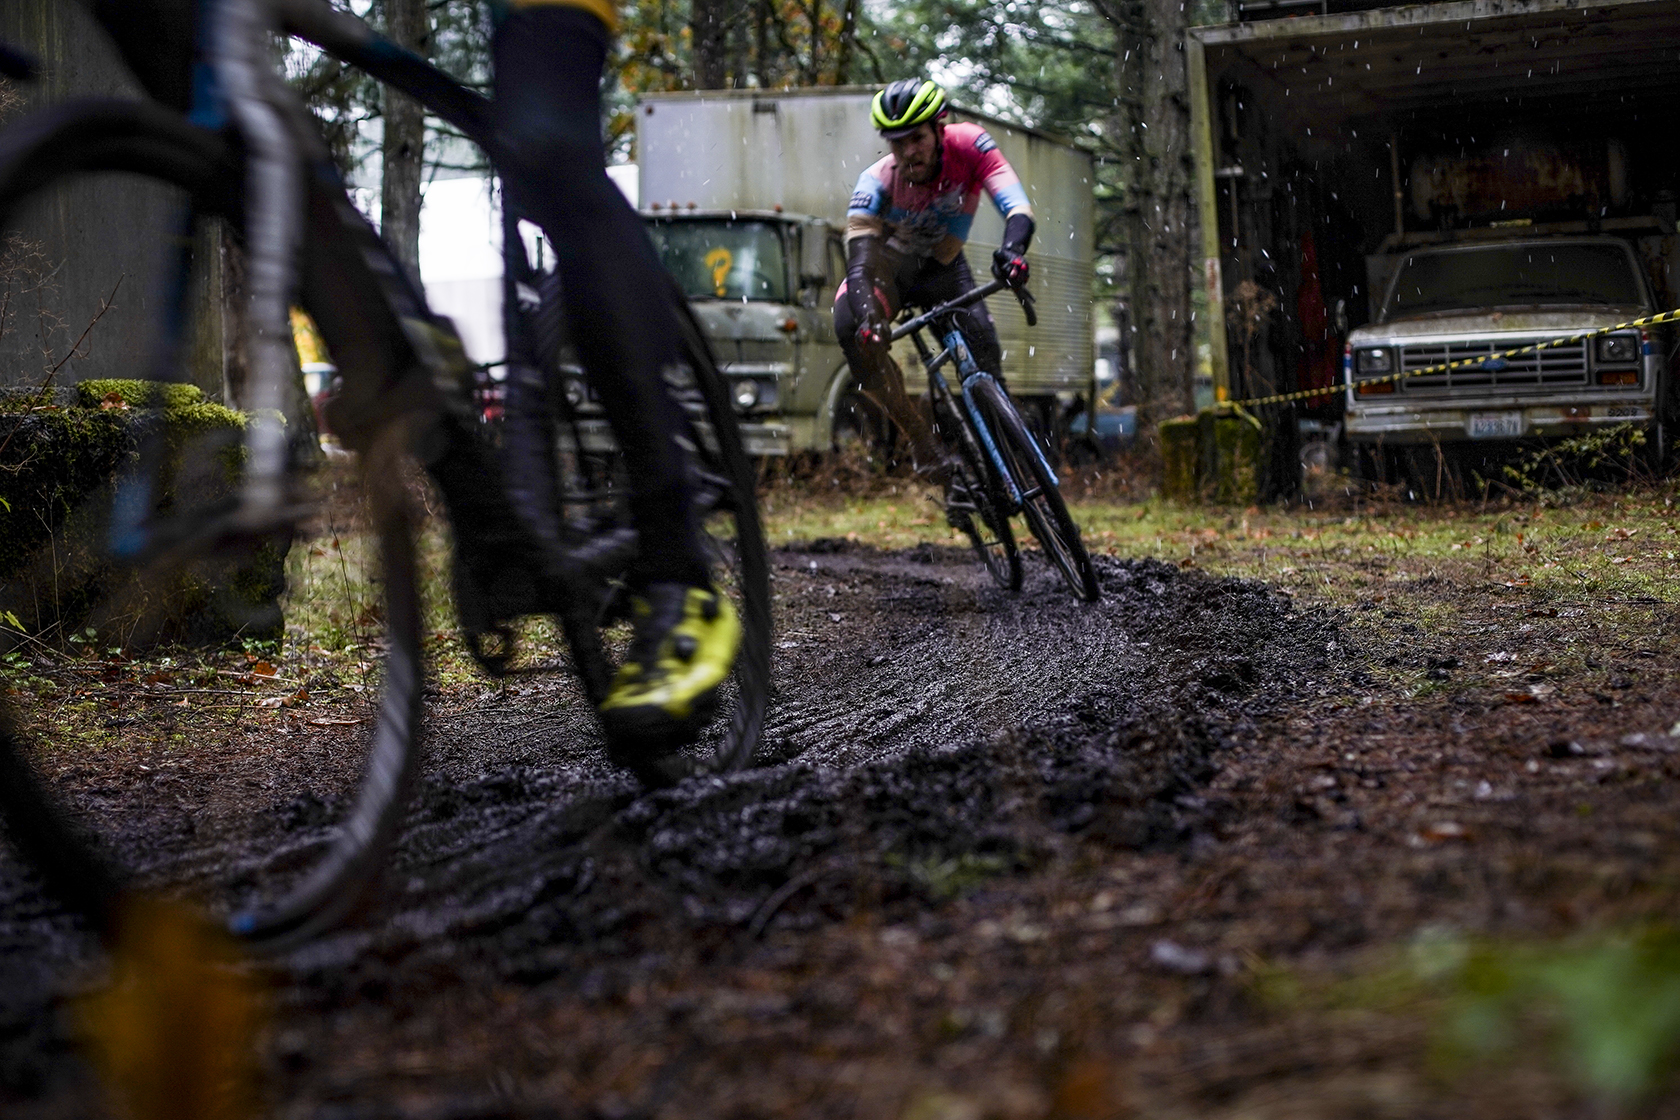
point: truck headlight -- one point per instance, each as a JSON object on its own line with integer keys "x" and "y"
{"x": 751, "y": 394}
{"x": 1618, "y": 348}
{"x": 1377, "y": 360}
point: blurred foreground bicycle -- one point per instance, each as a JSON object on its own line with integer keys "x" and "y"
{"x": 191, "y": 502}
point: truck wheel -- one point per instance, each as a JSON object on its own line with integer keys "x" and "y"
{"x": 861, "y": 426}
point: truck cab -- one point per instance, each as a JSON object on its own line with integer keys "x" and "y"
{"x": 1473, "y": 301}
{"x": 761, "y": 283}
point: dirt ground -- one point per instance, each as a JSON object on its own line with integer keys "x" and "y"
{"x": 1008, "y": 857}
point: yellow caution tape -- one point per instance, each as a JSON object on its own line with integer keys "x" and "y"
{"x": 1308, "y": 394}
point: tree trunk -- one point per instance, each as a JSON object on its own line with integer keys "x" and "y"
{"x": 404, "y": 151}
{"x": 709, "y": 23}
{"x": 848, "y": 43}
{"x": 1154, "y": 131}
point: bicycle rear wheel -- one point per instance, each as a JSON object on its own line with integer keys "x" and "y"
{"x": 86, "y": 815}
{"x": 592, "y": 490}
{"x": 1041, "y": 497}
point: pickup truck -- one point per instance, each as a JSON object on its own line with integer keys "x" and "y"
{"x": 1474, "y": 301}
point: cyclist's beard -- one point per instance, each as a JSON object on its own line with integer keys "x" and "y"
{"x": 934, "y": 168}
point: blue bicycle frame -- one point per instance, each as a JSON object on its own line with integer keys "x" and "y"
{"x": 969, "y": 375}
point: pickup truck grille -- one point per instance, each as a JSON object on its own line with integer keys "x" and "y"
{"x": 1563, "y": 367}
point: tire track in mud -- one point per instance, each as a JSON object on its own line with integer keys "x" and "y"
{"x": 927, "y": 731}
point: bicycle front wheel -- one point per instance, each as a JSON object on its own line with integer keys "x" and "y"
{"x": 1041, "y": 497}
{"x": 185, "y": 792}
{"x": 992, "y": 536}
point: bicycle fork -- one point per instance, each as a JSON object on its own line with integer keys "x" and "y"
{"x": 971, "y": 375}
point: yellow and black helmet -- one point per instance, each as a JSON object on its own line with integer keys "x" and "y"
{"x": 904, "y": 106}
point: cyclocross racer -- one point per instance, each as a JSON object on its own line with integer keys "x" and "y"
{"x": 548, "y": 59}
{"x": 909, "y": 218}
{"x": 549, "y": 56}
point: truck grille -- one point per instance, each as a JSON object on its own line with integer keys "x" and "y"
{"x": 1562, "y": 367}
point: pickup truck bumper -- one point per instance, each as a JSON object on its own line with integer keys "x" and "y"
{"x": 1415, "y": 422}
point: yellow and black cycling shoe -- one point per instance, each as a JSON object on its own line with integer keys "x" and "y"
{"x": 666, "y": 691}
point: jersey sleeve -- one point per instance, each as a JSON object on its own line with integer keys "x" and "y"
{"x": 999, "y": 179}
{"x": 869, "y": 202}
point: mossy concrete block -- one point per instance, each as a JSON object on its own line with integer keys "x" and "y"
{"x": 1211, "y": 457}
{"x": 1181, "y": 457}
{"x": 1236, "y": 444}
{"x": 61, "y": 471}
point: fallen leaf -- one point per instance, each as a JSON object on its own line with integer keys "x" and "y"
{"x": 263, "y": 669}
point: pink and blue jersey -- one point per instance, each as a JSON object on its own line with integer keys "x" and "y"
{"x": 933, "y": 219}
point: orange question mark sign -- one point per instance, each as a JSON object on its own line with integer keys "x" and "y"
{"x": 720, "y": 261}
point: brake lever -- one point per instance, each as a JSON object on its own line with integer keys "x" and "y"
{"x": 1026, "y": 300}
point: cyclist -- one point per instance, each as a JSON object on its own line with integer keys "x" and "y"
{"x": 548, "y": 57}
{"x": 905, "y": 229}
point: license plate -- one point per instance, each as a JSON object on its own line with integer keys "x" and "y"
{"x": 1496, "y": 425}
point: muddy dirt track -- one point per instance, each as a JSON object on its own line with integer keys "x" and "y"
{"x": 1009, "y": 856}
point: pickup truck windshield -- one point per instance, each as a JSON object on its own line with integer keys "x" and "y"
{"x": 722, "y": 259}
{"x": 1514, "y": 276}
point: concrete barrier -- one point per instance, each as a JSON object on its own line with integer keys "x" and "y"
{"x": 1211, "y": 457}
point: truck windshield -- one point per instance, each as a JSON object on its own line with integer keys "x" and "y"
{"x": 1514, "y": 276}
{"x": 722, "y": 259}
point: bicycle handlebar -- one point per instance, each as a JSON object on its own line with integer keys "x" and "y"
{"x": 975, "y": 295}
{"x": 350, "y": 39}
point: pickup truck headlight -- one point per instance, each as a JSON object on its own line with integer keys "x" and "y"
{"x": 1377, "y": 360}
{"x": 1620, "y": 349}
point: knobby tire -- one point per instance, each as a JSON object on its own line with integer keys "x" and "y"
{"x": 1000, "y": 554}
{"x": 1042, "y": 504}
{"x": 151, "y": 142}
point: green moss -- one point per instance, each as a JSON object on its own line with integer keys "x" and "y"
{"x": 59, "y": 472}
{"x": 169, "y": 396}
{"x": 1211, "y": 455}
{"x": 1181, "y": 458}
{"x": 1236, "y": 442}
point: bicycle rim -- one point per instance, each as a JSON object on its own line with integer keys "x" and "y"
{"x": 993, "y": 538}
{"x": 308, "y": 877}
{"x": 1042, "y": 504}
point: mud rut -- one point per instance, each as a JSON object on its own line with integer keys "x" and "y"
{"x": 928, "y": 733}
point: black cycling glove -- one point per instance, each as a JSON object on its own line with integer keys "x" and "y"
{"x": 1009, "y": 262}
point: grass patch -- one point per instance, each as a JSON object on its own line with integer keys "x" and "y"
{"x": 1612, "y": 548}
